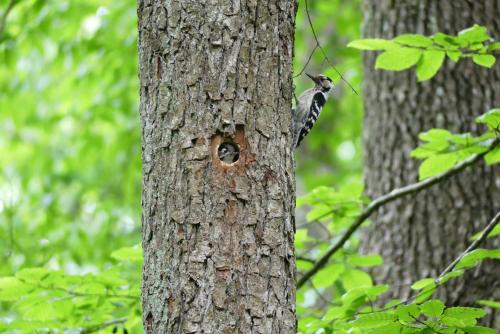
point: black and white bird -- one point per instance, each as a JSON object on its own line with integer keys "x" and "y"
{"x": 309, "y": 106}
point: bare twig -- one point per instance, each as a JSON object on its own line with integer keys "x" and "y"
{"x": 387, "y": 198}
{"x": 487, "y": 230}
{"x": 307, "y": 62}
{"x": 96, "y": 328}
{"x": 318, "y": 45}
{"x": 3, "y": 19}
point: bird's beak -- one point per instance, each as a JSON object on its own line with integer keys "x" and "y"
{"x": 313, "y": 78}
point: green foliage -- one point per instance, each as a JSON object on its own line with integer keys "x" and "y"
{"x": 51, "y": 299}
{"x": 350, "y": 291}
{"x": 493, "y": 233}
{"x": 70, "y": 177}
{"x": 442, "y": 149}
{"x": 398, "y": 59}
{"x": 428, "y": 52}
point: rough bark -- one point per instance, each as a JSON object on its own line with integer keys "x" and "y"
{"x": 419, "y": 236}
{"x": 217, "y": 237}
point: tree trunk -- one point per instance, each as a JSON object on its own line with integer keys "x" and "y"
{"x": 216, "y": 76}
{"x": 419, "y": 236}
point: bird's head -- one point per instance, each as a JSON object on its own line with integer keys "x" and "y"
{"x": 322, "y": 81}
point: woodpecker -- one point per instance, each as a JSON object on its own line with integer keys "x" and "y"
{"x": 309, "y": 106}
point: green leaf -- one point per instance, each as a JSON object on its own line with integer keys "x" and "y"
{"x": 376, "y": 291}
{"x": 493, "y": 157}
{"x": 334, "y": 312}
{"x": 493, "y": 233}
{"x": 435, "y": 135}
{"x": 429, "y": 64}
{"x": 437, "y": 164}
{"x": 425, "y": 294}
{"x": 41, "y": 312}
{"x": 432, "y": 308}
{"x": 398, "y": 59}
{"x": 12, "y": 288}
{"x": 479, "y": 330}
{"x": 423, "y": 283}
{"x": 450, "y": 275}
{"x": 489, "y": 303}
{"x": 473, "y": 258}
{"x": 407, "y": 313}
{"x": 356, "y": 278}
{"x": 484, "y": 60}
{"x": 327, "y": 276}
{"x": 413, "y": 40}
{"x": 474, "y": 34}
{"x": 445, "y": 40}
{"x": 391, "y": 328}
{"x": 494, "y": 47}
{"x": 374, "y": 320}
{"x": 464, "y": 312}
{"x": 372, "y": 44}
{"x": 354, "y": 296}
{"x": 454, "y": 55}
{"x": 132, "y": 254}
{"x": 32, "y": 275}
{"x": 365, "y": 260}
{"x": 490, "y": 118}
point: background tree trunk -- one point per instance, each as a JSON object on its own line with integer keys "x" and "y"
{"x": 217, "y": 238}
{"x": 419, "y": 236}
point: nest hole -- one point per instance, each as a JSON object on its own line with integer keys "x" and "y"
{"x": 228, "y": 152}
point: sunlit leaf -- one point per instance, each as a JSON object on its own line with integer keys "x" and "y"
{"x": 372, "y": 44}
{"x": 413, "y": 40}
{"x": 429, "y": 64}
{"x": 474, "y": 34}
{"x": 484, "y": 60}
{"x": 398, "y": 59}
{"x": 432, "y": 308}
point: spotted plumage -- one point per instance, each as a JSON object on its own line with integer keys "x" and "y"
{"x": 309, "y": 106}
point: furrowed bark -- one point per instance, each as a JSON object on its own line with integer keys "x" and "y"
{"x": 217, "y": 237}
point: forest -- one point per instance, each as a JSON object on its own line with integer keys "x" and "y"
{"x": 150, "y": 183}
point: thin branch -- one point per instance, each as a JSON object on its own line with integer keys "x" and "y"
{"x": 103, "y": 325}
{"x": 487, "y": 230}
{"x": 323, "y": 51}
{"x": 484, "y": 234}
{"x": 387, "y": 198}
{"x": 305, "y": 259}
{"x": 307, "y": 62}
{"x": 3, "y": 19}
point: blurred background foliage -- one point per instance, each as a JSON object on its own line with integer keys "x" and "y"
{"x": 70, "y": 170}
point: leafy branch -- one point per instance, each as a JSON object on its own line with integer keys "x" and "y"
{"x": 390, "y": 197}
{"x": 484, "y": 234}
{"x": 428, "y": 52}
